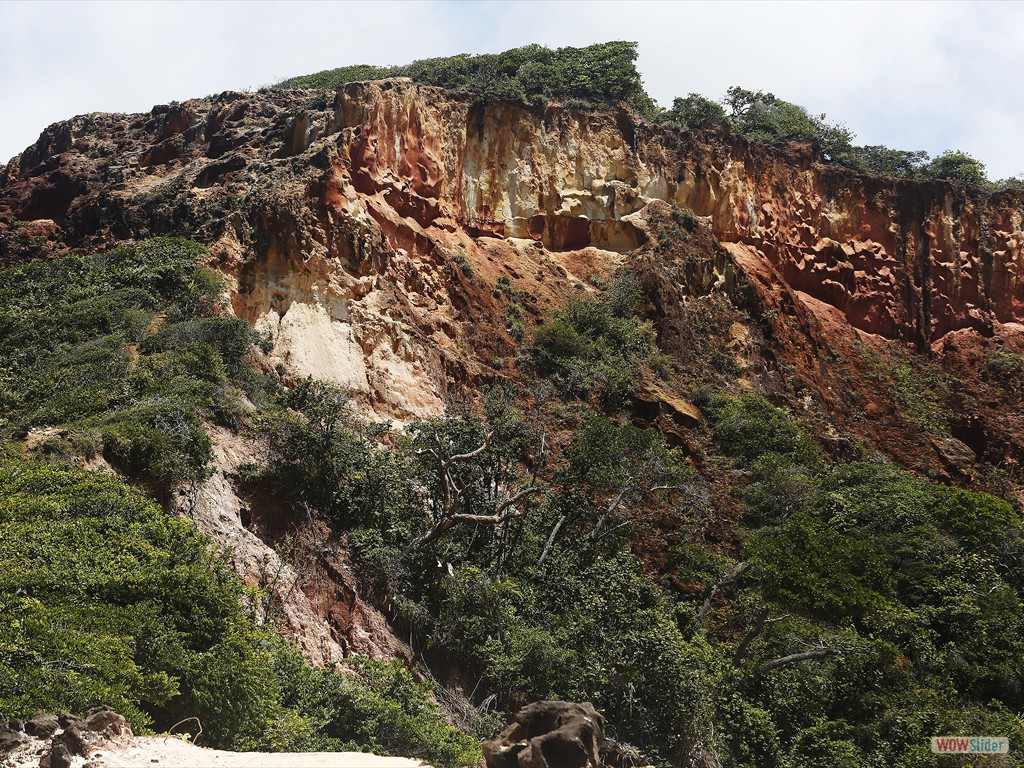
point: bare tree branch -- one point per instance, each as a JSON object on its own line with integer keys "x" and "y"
{"x": 796, "y": 658}
{"x": 448, "y": 516}
{"x": 710, "y": 592}
{"x": 551, "y": 540}
{"x": 760, "y": 623}
{"x": 472, "y": 454}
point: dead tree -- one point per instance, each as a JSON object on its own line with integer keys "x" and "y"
{"x": 818, "y": 650}
{"x": 448, "y": 509}
{"x": 644, "y": 481}
{"x": 711, "y": 591}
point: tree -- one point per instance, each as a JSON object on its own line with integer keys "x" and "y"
{"x": 693, "y": 111}
{"x": 954, "y": 165}
{"x": 881, "y": 161}
{"x": 611, "y": 466}
{"x": 766, "y": 118}
{"x": 466, "y": 481}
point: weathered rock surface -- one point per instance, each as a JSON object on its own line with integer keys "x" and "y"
{"x": 364, "y": 232}
{"x": 549, "y": 734}
{"x": 10, "y": 739}
{"x": 105, "y": 721}
{"x": 73, "y": 740}
{"x": 42, "y": 725}
{"x": 58, "y": 756}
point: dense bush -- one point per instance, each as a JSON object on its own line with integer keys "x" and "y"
{"x": 766, "y": 118}
{"x": 371, "y": 706}
{"x": 595, "y": 74}
{"x": 749, "y": 427}
{"x": 955, "y": 165}
{"x": 104, "y": 599}
{"x": 692, "y": 111}
{"x": 904, "y": 595}
{"x": 126, "y": 351}
{"x": 597, "y": 345}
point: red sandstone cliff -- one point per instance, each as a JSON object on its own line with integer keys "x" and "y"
{"x": 340, "y": 223}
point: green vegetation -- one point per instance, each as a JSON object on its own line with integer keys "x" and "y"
{"x": 159, "y": 628}
{"x": 604, "y": 73}
{"x": 549, "y": 602}
{"x": 692, "y": 111}
{"x": 921, "y": 389}
{"x": 1006, "y": 369}
{"x": 901, "y": 601}
{"x": 514, "y": 308}
{"x": 748, "y": 427}
{"x": 104, "y": 598}
{"x": 597, "y": 345}
{"x": 462, "y": 262}
{"x": 766, "y": 118}
{"x": 873, "y": 607}
{"x": 858, "y": 609}
{"x": 124, "y": 352}
{"x": 593, "y": 75}
{"x": 107, "y": 600}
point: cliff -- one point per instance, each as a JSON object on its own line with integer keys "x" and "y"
{"x": 364, "y": 234}
{"x": 908, "y": 259}
{"x": 340, "y": 223}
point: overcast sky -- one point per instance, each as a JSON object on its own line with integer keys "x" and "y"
{"x": 919, "y": 75}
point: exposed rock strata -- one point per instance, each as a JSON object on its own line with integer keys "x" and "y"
{"x": 393, "y": 174}
{"x": 364, "y": 234}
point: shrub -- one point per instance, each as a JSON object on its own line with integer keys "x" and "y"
{"x": 597, "y": 345}
{"x": 955, "y": 165}
{"x": 692, "y": 111}
{"x": 93, "y": 363}
{"x": 595, "y": 74}
{"x": 977, "y": 519}
{"x": 151, "y": 607}
{"x": 766, "y": 118}
{"x": 231, "y": 339}
{"x": 1006, "y": 369}
{"x": 748, "y": 427}
{"x": 807, "y": 564}
{"x": 462, "y": 262}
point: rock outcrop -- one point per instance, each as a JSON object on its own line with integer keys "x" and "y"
{"x": 336, "y": 219}
{"x": 365, "y": 232}
{"x": 549, "y": 734}
{"x": 55, "y": 741}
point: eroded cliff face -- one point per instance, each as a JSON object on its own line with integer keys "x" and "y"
{"x": 900, "y": 259}
{"x": 393, "y": 177}
{"x": 365, "y": 232}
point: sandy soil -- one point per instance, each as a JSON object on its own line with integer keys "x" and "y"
{"x": 157, "y": 752}
{"x": 175, "y": 753}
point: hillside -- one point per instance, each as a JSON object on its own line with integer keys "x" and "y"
{"x": 521, "y": 398}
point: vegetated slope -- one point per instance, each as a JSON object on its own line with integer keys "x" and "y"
{"x": 677, "y": 419}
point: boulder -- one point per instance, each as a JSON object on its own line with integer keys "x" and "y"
{"x": 73, "y": 739}
{"x": 10, "y": 740}
{"x": 16, "y": 724}
{"x": 57, "y": 757}
{"x": 108, "y": 721}
{"x": 66, "y": 720}
{"x": 42, "y": 725}
{"x": 549, "y": 734}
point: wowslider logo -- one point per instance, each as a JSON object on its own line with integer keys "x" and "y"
{"x": 970, "y": 745}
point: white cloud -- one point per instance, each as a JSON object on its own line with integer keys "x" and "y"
{"x": 910, "y": 75}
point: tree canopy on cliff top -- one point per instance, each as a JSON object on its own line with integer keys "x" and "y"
{"x": 595, "y": 74}
{"x": 606, "y": 72}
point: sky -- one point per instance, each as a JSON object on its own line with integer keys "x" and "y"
{"x": 914, "y": 75}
